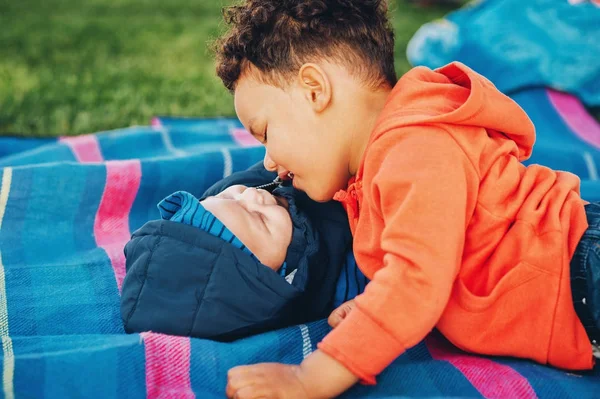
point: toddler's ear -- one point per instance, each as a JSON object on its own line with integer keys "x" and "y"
{"x": 316, "y": 86}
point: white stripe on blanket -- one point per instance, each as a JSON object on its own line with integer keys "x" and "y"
{"x": 589, "y": 162}
{"x": 306, "y": 344}
{"x": 227, "y": 162}
{"x": 7, "y": 348}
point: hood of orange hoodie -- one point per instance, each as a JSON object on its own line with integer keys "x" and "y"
{"x": 455, "y": 95}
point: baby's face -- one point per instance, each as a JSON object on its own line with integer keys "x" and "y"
{"x": 260, "y": 220}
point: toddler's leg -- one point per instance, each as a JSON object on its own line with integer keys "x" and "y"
{"x": 585, "y": 276}
{"x": 593, "y": 261}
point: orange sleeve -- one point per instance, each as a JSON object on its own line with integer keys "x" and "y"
{"x": 419, "y": 185}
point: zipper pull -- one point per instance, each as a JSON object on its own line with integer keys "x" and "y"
{"x": 271, "y": 186}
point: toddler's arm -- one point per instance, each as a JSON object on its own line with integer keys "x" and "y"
{"x": 418, "y": 189}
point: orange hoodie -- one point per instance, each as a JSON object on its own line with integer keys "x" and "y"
{"x": 456, "y": 233}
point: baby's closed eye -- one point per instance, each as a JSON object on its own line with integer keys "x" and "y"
{"x": 282, "y": 202}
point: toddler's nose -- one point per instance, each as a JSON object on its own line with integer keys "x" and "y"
{"x": 272, "y": 166}
{"x": 269, "y": 164}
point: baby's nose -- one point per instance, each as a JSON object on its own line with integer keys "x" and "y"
{"x": 252, "y": 196}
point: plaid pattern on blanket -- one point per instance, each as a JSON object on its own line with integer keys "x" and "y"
{"x": 67, "y": 207}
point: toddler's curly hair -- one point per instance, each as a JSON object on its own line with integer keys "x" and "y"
{"x": 278, "y": 36}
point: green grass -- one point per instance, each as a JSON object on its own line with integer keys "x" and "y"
{"x": 72, "y": 66}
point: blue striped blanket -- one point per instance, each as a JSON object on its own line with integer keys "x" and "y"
{"x": 68, "y": 206}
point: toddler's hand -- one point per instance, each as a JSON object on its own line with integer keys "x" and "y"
{"x": 319, "y": 376}
{"x": 340, "y": 313}
{"x": 265, "y": 380}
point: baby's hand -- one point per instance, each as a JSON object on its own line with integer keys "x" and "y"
{"x": 340, "y": 313}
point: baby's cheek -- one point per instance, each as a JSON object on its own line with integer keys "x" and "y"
{"x": 274, "y": 251}
{"x": 271, "y": 248}
{"x": 284, "y": 239}
{"x": 287, "y": 233}
{"x": 271, "y": 258}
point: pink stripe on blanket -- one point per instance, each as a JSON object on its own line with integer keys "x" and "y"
{"x": 167, "y": 366}
{"x": 576, "y": 116}
{"x": 85, "y": 148}
{"x": 111, "y": 227}
{"x": 244, "y": 138}
{"x": 491, "y": 379}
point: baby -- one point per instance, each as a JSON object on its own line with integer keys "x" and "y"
{"x": 253, "y": 220}
{"x": 237, "y": 262}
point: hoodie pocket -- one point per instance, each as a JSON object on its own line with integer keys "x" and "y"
{"x": 522, "y": 274}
